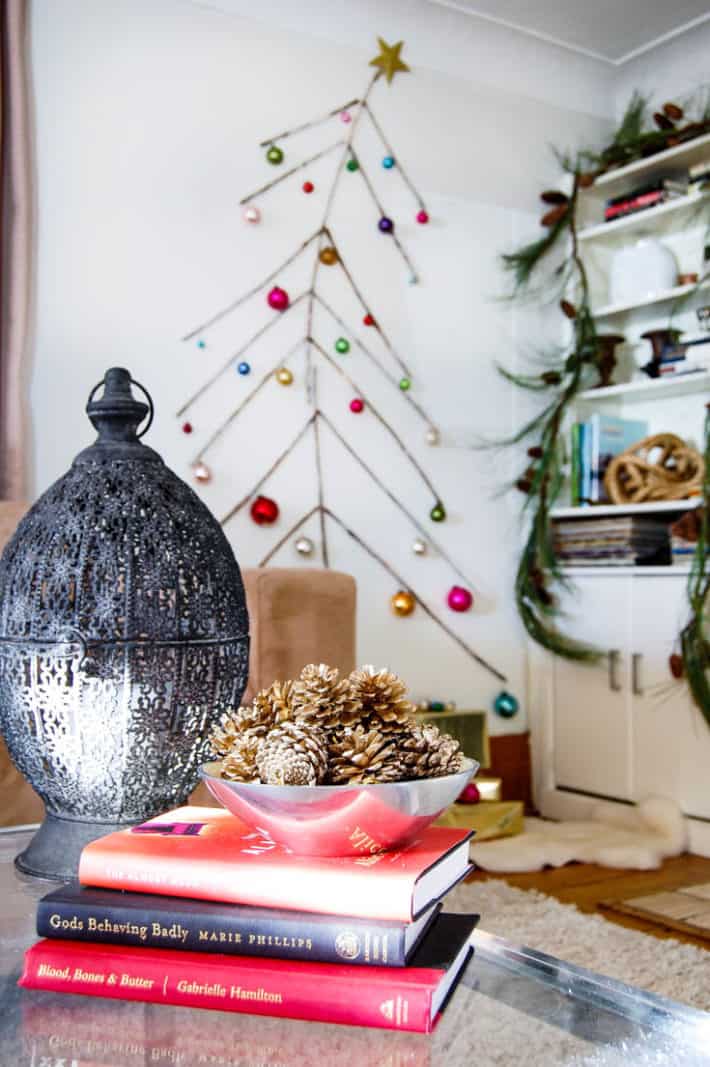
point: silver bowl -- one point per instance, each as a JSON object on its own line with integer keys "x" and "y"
{"x": 339, "y": 820}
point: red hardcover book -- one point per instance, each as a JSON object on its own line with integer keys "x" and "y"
{"x": 209, "y": 854}
{"x": 410, "y": 998}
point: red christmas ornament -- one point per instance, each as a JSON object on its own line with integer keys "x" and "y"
{"x": 308, "y": 187}
{"x": 675, "y": 665}
{"x": 422, "y": 217}
{"x": 264, "y": 511}
{"x": 357, "y": 405}
{"x": 278, "y": 299}
{"x": 459, "y": 599}
{"x": 187, "y": 427}
{"x": 368, "y": 320}
{"x": 470, "y": 794}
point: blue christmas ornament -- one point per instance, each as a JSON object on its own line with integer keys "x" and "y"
{"x": 244, "y": 367}
{"x": 506, "y": 705}
{"x": 201, "y": 344}
{"x": 388, "y": 162}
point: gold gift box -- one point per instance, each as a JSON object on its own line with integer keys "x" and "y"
{"x": 489, "y": 788}
{"x": 489, "y": 820}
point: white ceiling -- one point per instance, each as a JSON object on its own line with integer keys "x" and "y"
{"x": 613, "y": 30}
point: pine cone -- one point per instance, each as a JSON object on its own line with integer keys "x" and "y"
{"x": 239, "y": 765}
{"x": 273, "y": 705}
{"x": 382, "y": 698}
{"x": 294, "y": 753}
{"x": 427, "y": 753}
{"x": 321, "y": 699}
{"x": 361, "y": 756}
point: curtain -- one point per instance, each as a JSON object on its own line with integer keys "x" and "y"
{"x": 15, "y": 246}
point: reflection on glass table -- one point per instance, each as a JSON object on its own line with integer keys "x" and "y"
{"x": 513, "y": 1005}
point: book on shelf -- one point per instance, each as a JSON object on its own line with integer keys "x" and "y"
{"x": 408, "y": 998}
{"x": 224, "y": 860}
{"x": 77, "y": 913}
{"x": 593, "y": 444}
{"x": 623, "y": 540}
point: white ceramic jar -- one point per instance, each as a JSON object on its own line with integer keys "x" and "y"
{"x": 641, "y": 271}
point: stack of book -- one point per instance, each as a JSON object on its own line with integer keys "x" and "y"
{"x": 594, "y": 443}
{"x": 687, "y": 357}
{"x": 623, "y": 540}
{"x": 195, "y": 908}
{"x": 646, "y": 196}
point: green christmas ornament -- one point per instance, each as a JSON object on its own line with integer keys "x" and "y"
{"x": 342, "y": 345}
{"x": 506, "y": 705}
{"x": 437, "y": 513}
{"x": 437, "y": 705}
{"x": 352, "y": 165}
{"x": 405, "y": 384}
{"x": 275, "y": 155}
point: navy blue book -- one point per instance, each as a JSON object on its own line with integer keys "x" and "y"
{"x": 76, "y": 913}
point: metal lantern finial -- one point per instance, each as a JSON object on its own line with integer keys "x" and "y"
{"x": 123, "y": 636}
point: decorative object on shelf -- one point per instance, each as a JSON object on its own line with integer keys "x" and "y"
{"x": 278, "y": 299}
{"x": 538, "y": 569}
{"x": 641, "y": 271}
{"x": 660, "y": 467}
{"x": 661, "y": 340}
{"x": 316, "y": 252}
{"x": 436, "y": 706}
{"x": 106, "y": 698}
{"x": 264, "y": 511}
{"x": 403, "y": 603}
{"x": 469, "y": 795}
{"x": 251, "y": 214}
{"x": 284, "y": 376}
{"x": 690, "y": 278}
{"x": 703, "y": 316}
{"x": 304, "y": 546}
{"x": 459, "y": 599}
{"x": 506, "y": 705}
{"x": 605, "y": 356}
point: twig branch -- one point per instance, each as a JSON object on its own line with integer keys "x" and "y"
{"x": 308, "y": 125}
{"x": 390, "y": 152}
{"x": 282, "y": 541}
{"x": 319, "y": 471}
{"x": 288, "y": 173}
{"x": 393, "y": 234}
{"x": 272, "y": 468}
{"x": 425, "y": 607}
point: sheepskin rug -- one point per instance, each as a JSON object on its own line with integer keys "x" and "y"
{"x": 638, "y": 837}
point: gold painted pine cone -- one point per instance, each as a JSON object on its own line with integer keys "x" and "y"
{"x": 294, "y": 753}
{"x": 427, "y": 753}
{"x": 239, "y": 765}
{"x": 319, "y": 697}
{"x": 360, "y": 756}
{"x": 382, "y": 696}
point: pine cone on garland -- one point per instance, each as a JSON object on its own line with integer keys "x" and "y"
{"x": 382, "y": 695}
{"x": 294, "y": 753}
{"x": 427, "y": 753}
{"x": 363, "y": 756}
{"x": 319, "y": 697}
{"x": 239, "y": 764}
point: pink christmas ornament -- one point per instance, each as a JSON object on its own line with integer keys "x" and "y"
{"x": 251, "y": 214}
{"x": 345, "y": 116}
{"x": 422, "y": 217}
{"x": 278, "y": 299}
{"x": 357, "y": 405}
{"x": 459, "y": 599}
{"x": 470, "y": 794}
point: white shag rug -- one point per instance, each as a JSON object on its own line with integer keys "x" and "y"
{"x": 638, "y": 837}
{"x": 669, "y": 968}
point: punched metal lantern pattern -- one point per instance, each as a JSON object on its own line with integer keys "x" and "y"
{"x": 123, "y": 636}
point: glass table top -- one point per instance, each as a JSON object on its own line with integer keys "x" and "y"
{"x": 513, "y": 1005}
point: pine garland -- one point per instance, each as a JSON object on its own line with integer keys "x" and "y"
{"x": 539, "y": 572}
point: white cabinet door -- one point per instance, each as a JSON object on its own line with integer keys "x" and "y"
{"x": 671, "y": 739}
{"x": 592, "y": 702}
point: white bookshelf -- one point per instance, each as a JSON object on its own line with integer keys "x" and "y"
{"x": 608, "y": 311}
{"x": 596, "y": 511}
{"x": 661, "y": 165}
{"x": 649, "y": 388}
{"x": 641, "y": 220}
{"x": 639, "y": 569}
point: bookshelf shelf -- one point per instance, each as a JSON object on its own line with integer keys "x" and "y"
{"x": 659, "y": 166}
{"x": 649, "y": 388}
{"x": 640, "y": 569}
{"x": 608, "y": 311}
{"x": 596, "y": 511}
{"x": 642, "y": 219}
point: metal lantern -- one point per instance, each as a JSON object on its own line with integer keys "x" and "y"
{"x": 123, "y": 637}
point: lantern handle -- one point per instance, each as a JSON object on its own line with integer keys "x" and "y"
{"x": 146, "y": 394}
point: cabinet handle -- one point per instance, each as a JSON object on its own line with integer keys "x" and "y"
{"x": 613, "y": 657}
{"x": 636, "y": 674}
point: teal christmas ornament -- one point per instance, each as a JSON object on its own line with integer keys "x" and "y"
{"x": 201, "y": 344}
{"x": 506, "y": 705}
{"x": 388, "y": 162}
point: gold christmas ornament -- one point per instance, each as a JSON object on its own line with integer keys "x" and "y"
{"x": 328, "y": 256}
{"x": 403, "y": 603}
{"x": 284, "y": 376}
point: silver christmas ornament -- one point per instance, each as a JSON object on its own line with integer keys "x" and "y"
{"x": 432, "y": 436}
{"x": 304, "y": 546}
{"x": 419, "y": 547}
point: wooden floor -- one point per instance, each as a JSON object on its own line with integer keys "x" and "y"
{"x": 585, "y": 884}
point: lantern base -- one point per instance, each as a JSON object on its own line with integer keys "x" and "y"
{"x": 54, "y": 851}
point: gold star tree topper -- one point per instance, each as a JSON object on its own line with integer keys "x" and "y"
{"x": 388, "y": 59}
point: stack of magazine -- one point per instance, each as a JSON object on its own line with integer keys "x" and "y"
{"x": 623, "y": 540}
